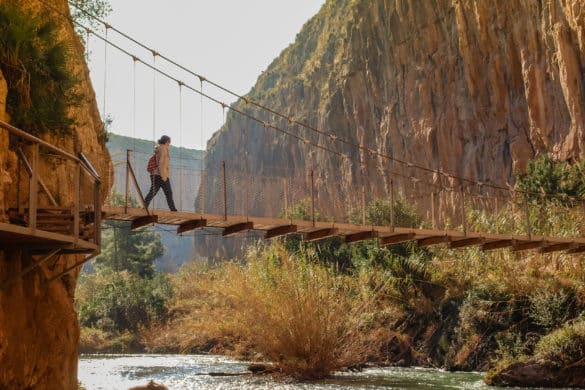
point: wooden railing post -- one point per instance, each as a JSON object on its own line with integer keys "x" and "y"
{"x": 76, "y": 200}
{"x": 97, "y": 214}
{"x": 363, "y": 205}
{"x": 463, "y": 216}
{"x": 285, "y": 190}
{"x": 202, "y": 193}
{"x": 527, "y": 214}
{"x": 311, "y": 174}
{"x": 127, "y": 181}
{"x": 34, "y": 188}
{"x": 224, "y": 190}
{"x": 433, "y": 219}
{"x": 392, "y": 216}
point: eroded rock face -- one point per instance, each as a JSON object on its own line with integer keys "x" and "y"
{"x": 473, "y": 88}
{"x": 38, "y": 324}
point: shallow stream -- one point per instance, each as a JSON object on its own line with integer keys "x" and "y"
{"x": 177, "y": 372}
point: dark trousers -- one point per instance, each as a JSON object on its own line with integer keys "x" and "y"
{"x": 156, "y": 183}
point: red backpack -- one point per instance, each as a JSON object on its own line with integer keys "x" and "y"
{"x": 152, "y": 164}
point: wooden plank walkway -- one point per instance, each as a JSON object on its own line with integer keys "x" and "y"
{"x": 37, "y": 240}
{"x": 54, "y": 228}
{"x": 274, "y": 227}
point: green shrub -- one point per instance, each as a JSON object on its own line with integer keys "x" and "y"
{"x": 550, "y": 308}
{"x": 41, "y": 88}
{"x": 302, "y": 316}
{"x": 115, "y": 302}
{"x": 563, "y": 346}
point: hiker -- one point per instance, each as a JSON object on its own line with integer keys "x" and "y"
{"x": 160, "y": 172}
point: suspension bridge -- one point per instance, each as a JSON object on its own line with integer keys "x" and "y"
{"x": 231, "y": 200}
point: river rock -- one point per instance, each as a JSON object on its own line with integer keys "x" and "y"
{"x": 152, "y": 385}
{"x": 535, "y": 373}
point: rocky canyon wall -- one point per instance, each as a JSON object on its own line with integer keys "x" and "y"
{"x": 470, "y": 88}
{"x": 38, "y": 324}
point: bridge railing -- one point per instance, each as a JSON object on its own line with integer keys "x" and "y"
{"x": 29, "y": 202}
{"x": 421, "y": 203}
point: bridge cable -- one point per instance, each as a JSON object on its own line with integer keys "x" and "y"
{"x": 333, "y": 137}
{"x": 330, "y": 136}
{"x": 280, "y": 115}
{"x": 105, "y": 74}
{"x": 181, "y": 189}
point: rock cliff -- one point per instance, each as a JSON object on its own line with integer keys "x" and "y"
{"x": 38, "y": 324}
{"x": 473, "y": 88}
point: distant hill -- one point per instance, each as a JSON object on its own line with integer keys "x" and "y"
{"x": 186, "y": 165}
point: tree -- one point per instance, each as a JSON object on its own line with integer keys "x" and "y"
{"x": 124, "y": 249}
{"x": 545, "y": 176}
{"x": 86, "y": 11}
{"x": 41, "y": 87}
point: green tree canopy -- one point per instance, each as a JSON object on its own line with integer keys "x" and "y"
{"x": 545, "y": 176}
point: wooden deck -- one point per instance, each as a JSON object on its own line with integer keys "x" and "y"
{"x": 22, "y": 237}
{"x": 274, "y": 227}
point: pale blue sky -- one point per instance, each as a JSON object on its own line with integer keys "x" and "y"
{"x": 228, "y": 41}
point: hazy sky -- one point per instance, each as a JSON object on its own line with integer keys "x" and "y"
{"x": 228, "y": 41}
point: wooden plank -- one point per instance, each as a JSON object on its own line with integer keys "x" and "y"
{"x": 143, "y": 221}
{"x": 396, "y": 239}
{"x": 522, "y": 246}
{"x": 191, "y": 224}
{"x": 421, "y": 243}
{"x": 319, "y": 234}
{"x": 361, "y": 236}
{"x": 238, "y": 227}
{"x": 19, "y": 236}
{"x": 280, "y": 231}
{"x": 488, "y": 246}
{"x": 466, "y": 242}
{"x": 556, "y": 247}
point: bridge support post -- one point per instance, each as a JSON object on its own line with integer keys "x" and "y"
{"x": 527, "y": 216}
{"x": 463, "y": 216}
{"x": 127, "y": 181}
{"x": 363, "y": 205}
{"x": 77, "y": 201}
{"x": 34, "y": 188}
{"x": 311, "y": 174}
{"x": 285, "y": 191}
{"x": 224, "y": 191}
{"x": 202, "y": 193}
{"x": 392, "y": 219}
{"x": 434, "y": 221}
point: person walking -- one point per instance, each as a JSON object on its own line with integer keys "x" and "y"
{"x": 160, "y": 176}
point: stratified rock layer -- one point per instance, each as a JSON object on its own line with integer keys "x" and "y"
{"x": 472, "y": 88}
{"x": 39, "y": 331}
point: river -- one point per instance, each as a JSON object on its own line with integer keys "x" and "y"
{"x": 178, "y": 372}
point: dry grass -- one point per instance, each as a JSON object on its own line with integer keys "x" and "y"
{"x": 304, "y": 318}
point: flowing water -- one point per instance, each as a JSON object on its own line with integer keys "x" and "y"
{"x": 177, "y": 372}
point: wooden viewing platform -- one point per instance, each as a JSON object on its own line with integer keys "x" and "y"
{"x": 71, "y": 228}
{"x": 54, "y": 229}
{"x": 386, "y": 235}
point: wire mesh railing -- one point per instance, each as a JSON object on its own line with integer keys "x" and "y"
{"x": 315, "y": 195}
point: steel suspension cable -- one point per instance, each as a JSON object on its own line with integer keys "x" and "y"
{"x": 105, "y": 73}
{"x": 266, "y": 124}
{"x": 181, "y": 188}
{"x": 332, "y": 137}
